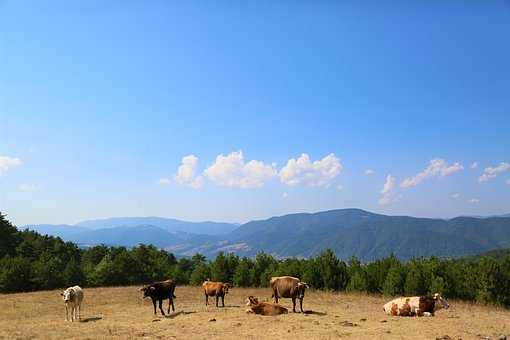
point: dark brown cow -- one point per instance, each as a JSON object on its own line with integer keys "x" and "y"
{"x": 264, "y": 308}
{"x": 217, "y": 289}
{"x": 289, "y": 287}
{"x": 159, "y": 291}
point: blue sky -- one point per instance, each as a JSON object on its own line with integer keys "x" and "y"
{"x": 99, "y": 103}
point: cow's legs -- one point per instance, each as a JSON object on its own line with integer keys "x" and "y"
{"x": 223, "y": 300}
{"x": 154, "y": 304}
{"x": 206, "y": 299}
{"x": 217, "y": 298}
{"x": 67, "y": 313}
{"x": 294, "y": 304}
{"x": 161, "y": 306}
{"x": 79, "y": 312}
{"x": 301, "y": 304}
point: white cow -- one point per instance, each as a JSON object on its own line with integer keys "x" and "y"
{"x": 73, "y": 297}
{"x": 416, "y": 305}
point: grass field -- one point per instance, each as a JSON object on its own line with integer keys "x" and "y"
{"x": 120, "y": 313}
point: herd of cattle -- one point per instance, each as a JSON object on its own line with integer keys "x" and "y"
{"x": 282, "y": 287}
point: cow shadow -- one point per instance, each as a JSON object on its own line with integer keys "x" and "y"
{"x": 91, "y": 319}
{"x": 174, "y": 314}
{"x": 312, "y": 312}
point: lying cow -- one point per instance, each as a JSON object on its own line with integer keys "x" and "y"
{"x": 264, "y": 308}
{"x": 73, "y": 297}
{"x": 159, "y": 291}
{"x": 416, "y": 305}
{"x": 217, "y": 289}
{"x": 288, "y": 287}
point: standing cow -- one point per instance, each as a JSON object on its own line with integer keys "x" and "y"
{"x": 217, "y": 289}
{"x": 159, "y": 291}
{"x": 289, "y": 287}
{"x": 416, "y": 305}
{"x": 73, "y": 297}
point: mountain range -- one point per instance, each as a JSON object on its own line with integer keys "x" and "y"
{"x": 348, "y": 232}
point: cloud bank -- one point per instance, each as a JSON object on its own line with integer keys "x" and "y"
{"x": 302, "y": 171}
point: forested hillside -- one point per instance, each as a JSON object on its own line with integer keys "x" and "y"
{"x": 29, "y": 261}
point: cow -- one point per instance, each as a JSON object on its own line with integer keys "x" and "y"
{"x": 159, "y": 291}
{"x": 416, "y": 305}
{"x": 264, "y": 308}
{"x": 73, "y": 297}
{"x": 288, "y": 287}
{"x": 217, "y": 289}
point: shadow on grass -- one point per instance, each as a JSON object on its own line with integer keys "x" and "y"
{"x": 312, "y": 312}
{"x": 174, "y": 314}
{"x": 91, "y": 319}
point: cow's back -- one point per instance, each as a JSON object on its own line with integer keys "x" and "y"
{"x": 404, "y": 306}
{"x": 284, "y": 286}
{"x": 78, "y": 294}
{"x": 212, "y": 288}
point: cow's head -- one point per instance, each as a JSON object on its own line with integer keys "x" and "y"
{"x": 251, "y": 301}
{"x": 301, "y": 289}
{"x": 68, "y": 295}
{"x": 441, "y": 302}
{"x": 147, "y": 291}
{"x": 226, "y": 287}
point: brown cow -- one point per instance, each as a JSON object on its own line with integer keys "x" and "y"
{"x": 217, "y": 289}
{"x": 289, "y": 287}
{"x": 264, "y": 308}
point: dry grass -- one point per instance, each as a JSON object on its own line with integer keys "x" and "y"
{"x": 120, "y": 313}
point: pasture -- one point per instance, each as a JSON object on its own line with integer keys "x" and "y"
{"x": 120, "y": 313}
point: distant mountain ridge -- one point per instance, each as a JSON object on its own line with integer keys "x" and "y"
{"x": 168, "y": 224}
{"x": 349, "y": 232}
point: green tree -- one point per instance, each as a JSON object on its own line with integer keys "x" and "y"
{"x": 394, "y": 283}
{"x": 201, "y": 273}
{"x": 9, "y": 237}
{"x": 243, "y": 275}
{"x": 415, "y": 283}
{"x": 332, "y": 271}
{"x": 15, "y": 275}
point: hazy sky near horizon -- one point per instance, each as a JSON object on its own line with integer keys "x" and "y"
{"x": 233, "y": 111}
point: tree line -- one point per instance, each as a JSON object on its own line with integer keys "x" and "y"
{"x": 30, "y": 261}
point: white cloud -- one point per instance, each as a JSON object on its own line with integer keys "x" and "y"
{"x": 456, "y": 195}
{"x": 232, "y": 171}
{"x": 437, "y": 167}
{"x": 7, "y": 163}
{"x": 165, "y": 181}
{"x": 302, "y": 171}
{"x": 285, "y": 195}
{"x": 28, "y": 187}
{"x": 369, "y": 172}
{"x": 474, "y": 200}
{"x": 388, "y": 191}
{"x": 339, "y": 187}
{"x": 186, "y": 173}
{"x": 492, "y": 172}
{"x": 474, "y": 165}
